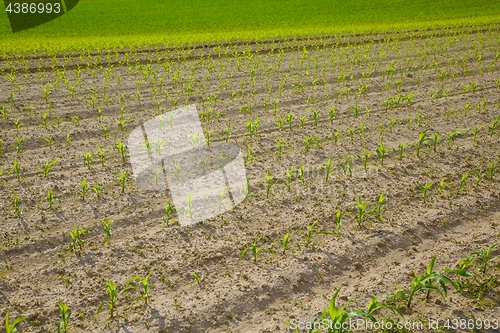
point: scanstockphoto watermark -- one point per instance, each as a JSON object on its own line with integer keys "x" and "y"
{"x": 353, "y": 324}
{"x": 170, "y": 153}
{"x": 364, "y": 325}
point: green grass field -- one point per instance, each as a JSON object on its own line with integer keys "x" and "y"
{"x": 118, "y": 23}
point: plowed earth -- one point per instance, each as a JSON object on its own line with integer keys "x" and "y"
{"x": 452, "y": 80}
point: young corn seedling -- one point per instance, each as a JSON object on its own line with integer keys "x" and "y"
{"x": 389, "y": 103}
{"x": 494, "y": 125}
{"x": 289, "y": 177}
{"x": 425, "y": 189}
{"x": 362, "y": 211}
{"x": 400, "y": 150}
{"x": 435, "y": 140}
{"x": 309, "y": 233}
{"x": 463, "y": 183}
{"x": 374, "y": 304}
{"x": 97, "y": 189}
{"x": 88, "y": 158}
{"x": 123, "y": 181}
{"x": 282, "y": 144}
{"x": 209, "y": 136}
{"x": 4, "y": 266}
{"x": 16, "y": 169}
{"x": 419, "y": 118}
{"x": 254, "y": 249}
{"x": 289, "y": 119}
{"x": 338, "y": 220}
{"x": 105, "y": 131}
{"x": 17, "y": 125}
{"x": 227, "y": 132}
{"x": 10, "y": 327}
{"x": 484, "y": 258}
{"x": 275, "y": 105}
{"x": 188, "y": 210}
{"x": 351, "y": 131}
{"x": 63, "y": 325}
{"x": 170, "y": 283}
{"x": 309, "y": 141}
{"x": 177, "y": 169}
{"x": 169, "y": 210}
{"x": 113, "y": 294}
{"x": 121, "y": 125}
{"x": 303, "y": 121}
{"x": 335, "y": 137}
{"x": 194, "y": 139}
{"x": 144, "y": 284}
{"x": 426, "y": 282}
{"x": 335, "y": 317}
{"x": 347, "y": 167}
{"x": 197, "y": 278}
{"x": 76, "y": 120}
{"x": 331, "y": 113}
{"x": 452, "y": 136}
{"x": 148, "y": 148}
{"x": 301, "y": 174}
{"x": 16, "y": 208}
{"x": 49, "y": 141}
{"x": 68, "y": 139}
{"x": 286, "y": 243}
{"x": 223, "y": 198}
{"x": 46, "y": 93}
{"x": 462, "y": 272}
{"x": 250, "y": 154}
{"x": 328, "y": 168}
{"x": 281, "y": 123}
{"x": 392, "y": 122}
{"x": 122, "y": 149}
{"x": 50, "y": 199}
{"x": 443, "y": 185}
{"x": 84, "y": 188}
{"x": 364, "y": 158}
{"x": 76, "y": 238}
{"x": 47, "y": 168}
{"x": 356, "y": 110}
{"x": 101, "y": 155}
{"x": 18, "y": 144}
{"x": 491, "y": 170}
{"x": 106, "y": 223}
{"x": 479, "y": 176}
{"x": 377, "y": 211}
{"x": 4, "y": 112}
{"x": 422, "y": 138}
{"x": 158, "y": 146}
{"x": 361, "y": 129}
{"x": 315, "y": 117}
{"x": 253, "y": 127}
{"x": 466, "y": 108}
{"x": 99, "y": 114}
{"x": 270, "y": 182}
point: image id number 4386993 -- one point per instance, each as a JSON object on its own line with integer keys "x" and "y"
{"x": 33, "y": 8}
{"x": 462, "y": 323}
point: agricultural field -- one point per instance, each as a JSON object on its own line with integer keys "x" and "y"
{"x": 118, "y": 24}
{"x": 373, "y": 181}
